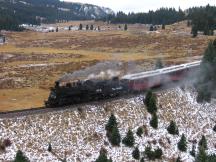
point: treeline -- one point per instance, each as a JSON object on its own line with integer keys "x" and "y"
{"x": 160, "y": 16}
{"x": 203, "y": 19}
{"x": 14, "y": 12}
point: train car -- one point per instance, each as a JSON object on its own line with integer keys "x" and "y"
{"x": 145, "y": 80}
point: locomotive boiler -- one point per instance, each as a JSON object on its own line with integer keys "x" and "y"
{"x": 95, "y": 89}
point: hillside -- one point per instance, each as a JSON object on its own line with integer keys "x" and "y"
{"x": 16, "y": 12}
{"x": 80, "y": 134}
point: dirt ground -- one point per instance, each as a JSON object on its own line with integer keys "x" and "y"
{"x": 30, "y": 62}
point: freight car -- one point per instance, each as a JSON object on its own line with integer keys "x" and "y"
{"x": 93, "y": 90}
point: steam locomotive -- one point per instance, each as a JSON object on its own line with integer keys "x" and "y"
{"x": 93, "y": 90}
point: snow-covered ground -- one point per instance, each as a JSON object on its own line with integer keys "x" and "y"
{"x": 79, "y": 135}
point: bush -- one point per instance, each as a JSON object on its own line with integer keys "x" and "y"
{"x": 158, "y": 153}
{"x": 136, "y": 153}
{"x": 139, "y": 131}
{"x": 129, "y": 139}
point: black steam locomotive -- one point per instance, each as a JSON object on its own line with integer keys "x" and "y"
{"x": 93, "y": 90}
{"x": 84, "y": 91}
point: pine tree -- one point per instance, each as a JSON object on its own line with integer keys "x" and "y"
{"x": 147, "y": 97}
{"x": 87, "y": 27}
{"x": 194, "y": 31}
{"x": 125, "y": 27}
{"x": 203, "y": 143}
{"x": 139, "y": 131}
{"x": 20, "y": 157}
{"x": 149, "y": 153}
{"x": 136, "y": 153}
{"x": 111, "y": 123}
{"x": 158, "y": 153}
{"x": 115, "y": 138}
{"x": 142, "y": 159}
{"x": 182, "y": 144}
{"x": 158, "y": 64}
{"x": 57, "y": 29}
{"x": 193, "y": 151}
{"x": 91, "y": 27}
{"x": 154, "y": 121}
{"x": 80, "y": 27}
{"x": 172, "y": 128}
{"x": 49, "y": 147}
{"x": 129, "y": 139}
{"x": 152, "y": 107}
{"x": 103, "y": 157}
{"x": 163, "y": 26}
{"x": 201, "y": 156}
{"x": 178, "y": 159}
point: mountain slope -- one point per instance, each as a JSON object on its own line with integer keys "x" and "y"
{"x": 15, "y": 12}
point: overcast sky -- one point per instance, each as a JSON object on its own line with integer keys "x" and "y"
{"x": 145, "y": 5}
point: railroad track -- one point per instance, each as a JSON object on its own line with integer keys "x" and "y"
{"x": 42, "y": 110}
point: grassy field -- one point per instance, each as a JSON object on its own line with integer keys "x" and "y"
{"x": 30, "y": 62}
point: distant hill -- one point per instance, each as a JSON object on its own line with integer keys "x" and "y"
{"x": 14, "y": 12}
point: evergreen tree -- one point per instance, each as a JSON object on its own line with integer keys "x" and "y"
{"x": 115, "y": 138}
{"x": 98, "y": 28}
{"x": 69, "y": 28}
{"x": 49, "y": 147}
{"x": 57, "y": 29}
{"x": 159, "y": 64}
{"x": 87, "y": 27}
{"x": 129, "y": 139}
{"x": 80, "y": 27}
{"x": 158, "y": 153}
{"x": 203, "y": 143}
{"x": 182, "y": 144}
{"x": 125, "y": 27}
{"x": 103, "y": 157}
{"x": 194, "y": 31}
{"x": 20, "y": 157}
{"x": 172, "y": 128}
{"x": 193, "y": 151}
{"x": 154, "y": 121}
{"x": 207, "y": 78}
{"x": 178, "y": 159}
{"x": 163, "y": 26}
{"x": 149, "y": 153}
{"x": 91, "y": 27}
{"x": 136, "y": 153}
{"x": 201, "y": 156}
{"x": 139, "y": 131}
{"x": 111, "y": 123}
{"x": 142, "y": 159}
{"x": 149, "y": 94}
{"x": 152, "y": 107}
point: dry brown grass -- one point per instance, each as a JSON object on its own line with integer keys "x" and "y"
{"x": 73, "y": 50}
